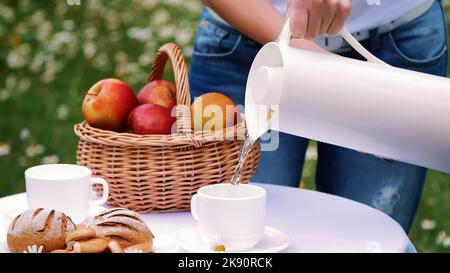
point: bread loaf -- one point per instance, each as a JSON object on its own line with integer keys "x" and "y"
{"x": 123, "y": 226}
{"x": 45, "y": 227}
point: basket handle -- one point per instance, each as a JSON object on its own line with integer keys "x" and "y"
{"x": 183, "y": 97}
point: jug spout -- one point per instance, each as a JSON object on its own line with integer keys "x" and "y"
{"x": 263, "y": 91}
{"x": 262, "y": 96}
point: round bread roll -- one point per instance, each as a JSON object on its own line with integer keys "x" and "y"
{"x": 123, "y": 226}
{"x": 40, "y": 227}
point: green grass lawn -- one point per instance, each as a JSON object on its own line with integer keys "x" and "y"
{"x": 51, "y": 53}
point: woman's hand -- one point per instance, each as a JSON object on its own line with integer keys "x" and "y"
{"x": 308, "y": 45}
{"x": 310, "y": 18}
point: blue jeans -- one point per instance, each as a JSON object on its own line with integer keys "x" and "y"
{"x": 221, "y": 61}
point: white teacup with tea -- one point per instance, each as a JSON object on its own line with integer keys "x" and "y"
{"x": 64, "y": 187}
{"x": 232, "y": 216}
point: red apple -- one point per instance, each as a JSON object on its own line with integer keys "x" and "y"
{"x": 108, "y": 103}
{"x": 158, "y": 92}
{"x": 151, "y": 119}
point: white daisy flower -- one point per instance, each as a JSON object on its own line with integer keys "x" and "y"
{"x": 37, "y": 62}
{"x": 428, "y": 224}
{"x": 441, "y": 236}
{"x": 61, "y": 8}
{"x": 187, "y": 51}
{"x": 184, "y": 37}
{"x": 446, "y": 242}
{"x": 34, "y": 150}
{"x": 148, "y": 4}
{"x": 59, "y": 39}
{"x": 133, "y": 250}
{"x": 140, "y": 34}
{"x": 112, "y": 20}
{"x": 24, "y": 133}
{"x": 43, "y": 31}
{"x": 146, "y": 59}
{"x": 90, "y": 33}
{"x": 166, "y": 31}
{"x": 89, "y": 49}
{"x": 5, "y": 149}
{"x": 160, "y": 17}
{"x": 34, "y": 249}
{"x": 7, "y": 14}
{"x": 94, "y": 6}
{"x": 50, "y": 159}
{"x": 37, "y": 17}
{"x": 4, "y": 94}
{"x": 193, "y": 6}
{"x": 216, "y": 245}
{"x": 121, "y": 57}
{"x": 51, "y": 68}
{"x": 15, "y": 59}
{"x": 62, "y": 112}
{"x": 101, "y": 61}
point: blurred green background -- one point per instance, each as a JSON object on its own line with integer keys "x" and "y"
{"x": 52, "y": 51}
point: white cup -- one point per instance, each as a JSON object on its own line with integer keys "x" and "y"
{"x": 230, "y": 215}
{"x": 63, "y": 187}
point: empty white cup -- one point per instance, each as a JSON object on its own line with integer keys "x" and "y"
{"x": 63, "y": 187}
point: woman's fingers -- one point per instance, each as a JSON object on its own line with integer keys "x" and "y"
{"x": 298, "y": 21}
{"x": 314, "y": 21}
{"x": 343, "y": 10}
{"x": 310, "y": 18}
{"x": 328, "y": 11}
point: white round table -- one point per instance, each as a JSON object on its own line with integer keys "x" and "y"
{"x": 314, "y": 221}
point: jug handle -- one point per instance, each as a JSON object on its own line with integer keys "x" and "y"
{"x": 359, "y": 48}
{"x": 285, "y": 37}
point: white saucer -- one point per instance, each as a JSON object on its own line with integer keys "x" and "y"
{"x": 163, "y": 243}
{"x": 272, "y": 241}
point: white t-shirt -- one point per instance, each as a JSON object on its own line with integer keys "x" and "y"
{"x": 368, "y": 14}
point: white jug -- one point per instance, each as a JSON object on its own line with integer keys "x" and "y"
{"x": 367, "y": 106}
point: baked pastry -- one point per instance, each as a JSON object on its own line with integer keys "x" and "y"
{"x": 95, "y": 245}
{"x": 123, "y": 226}
{"x": 80, "y": 234}
{"x": 40, "y": 227}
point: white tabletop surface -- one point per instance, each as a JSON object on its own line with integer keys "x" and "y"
{"x": 314, "y": 221}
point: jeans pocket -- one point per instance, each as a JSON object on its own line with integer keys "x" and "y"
{"x": 408, "y": 53}
{"x": 214, "y": 41}
{"x": 422, "y": 41}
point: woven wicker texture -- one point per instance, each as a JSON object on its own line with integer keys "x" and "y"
{"x": 160, "y": 173}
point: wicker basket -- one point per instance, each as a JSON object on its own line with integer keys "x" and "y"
{"x": 160, "y": 173}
